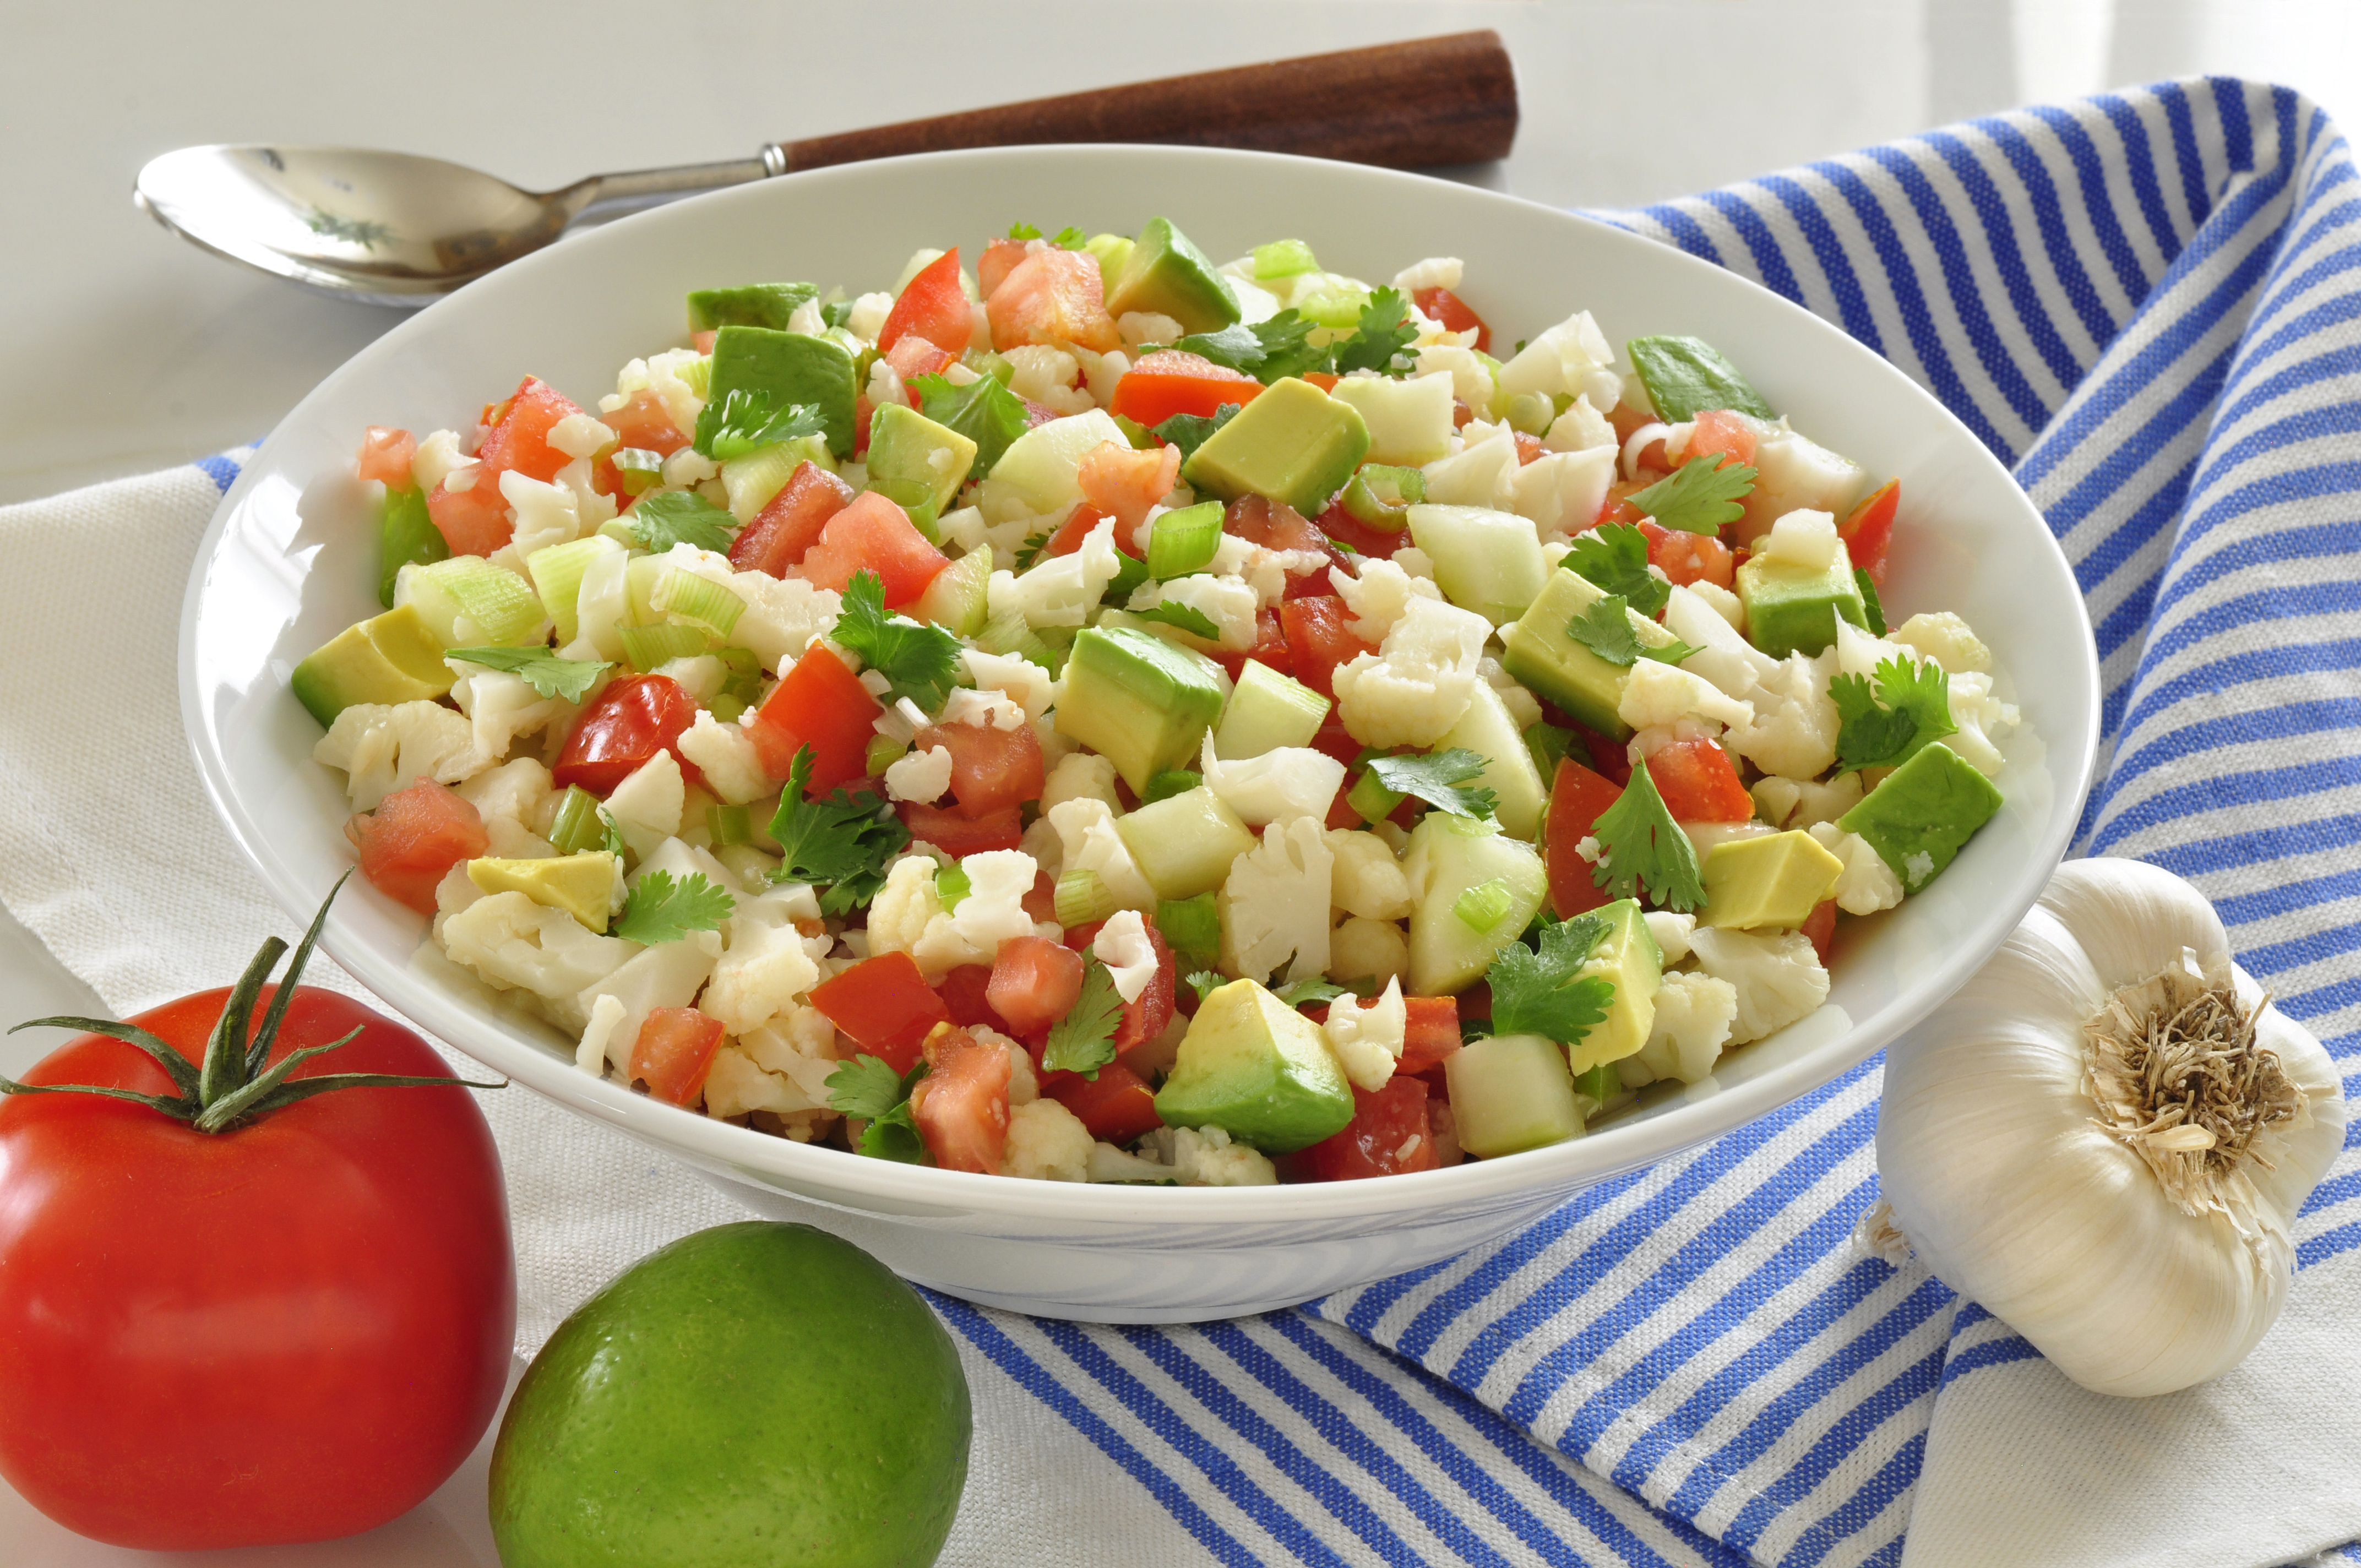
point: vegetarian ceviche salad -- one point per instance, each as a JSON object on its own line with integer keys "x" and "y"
{"x": 1108, "y": 717}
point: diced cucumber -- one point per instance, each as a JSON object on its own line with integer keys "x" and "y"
{"x": 1487, "y": 729}
{"x": 1512, "y": 1092}
{"x": 1266, "y": 710}
{"x": 1184, "y": 846}
{"x": 1448, "y": 855}
{"x": 1408, "y": 421}
{"x": 1489, "y": 562}
{"x": 955, "y": 599}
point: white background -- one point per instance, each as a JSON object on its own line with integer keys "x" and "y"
{"x": 123, "y": 348}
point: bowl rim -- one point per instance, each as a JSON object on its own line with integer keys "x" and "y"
{"x": 770, "y": 1162}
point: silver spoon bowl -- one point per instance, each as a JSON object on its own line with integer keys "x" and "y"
{"x": 387, "y": 229}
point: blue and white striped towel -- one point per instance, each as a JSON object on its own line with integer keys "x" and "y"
{"x": 2149, "y": 303}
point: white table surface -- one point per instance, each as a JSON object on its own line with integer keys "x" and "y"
{"x": 126, "y": 349}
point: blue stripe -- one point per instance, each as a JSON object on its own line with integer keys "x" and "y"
{"x": 2237, "y": 850}
{"x": 2328, "y": 1245}
{"x": 2006, "y": 251}
{"x": 2253, "y": 788}
{"x": 1914, "y": 1383}
{"x": 220, "y": 469}
{"x": 2298, "y": 952}
{"x": 2131, "y": 135}
{"x": 1852, "y": 306}
{"x": 2091, "y": 178}
{"x": 1991, "y": 1353}
{"x": 2336, "y": 1189}
{"x": 1685, "y": 232}
{"x": 2245, "y": 727}
{"x": 1879, "y": 1492}
{"x": 2287, "y": 898}
{"x": 1770, "y": 263}
{"x": 2186, "y": 155}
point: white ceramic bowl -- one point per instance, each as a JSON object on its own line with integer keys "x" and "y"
{"x": 289, "y": 561}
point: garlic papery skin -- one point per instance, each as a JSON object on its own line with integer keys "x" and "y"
{"x": 2044, "y": 1162}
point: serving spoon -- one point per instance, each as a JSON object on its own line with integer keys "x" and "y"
{"x": 389, "y": 228}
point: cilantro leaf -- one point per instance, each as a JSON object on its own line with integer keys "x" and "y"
{"x": 541, "y": 670}
{"x": 1312, "y": 992}
{"x": 1083, "y": 1040}
{"x": 1545, "y": 992}
{"x": 922, "y": 662}
{"x": 984, "y": 410}
{"x": 1069, "y": 239}
{"x": 1203, "y": 982}
{"x": 1187, "y": 617}
{"x": 1874, "y": 611}
{"x": 1917, "y": 708}
{"x": 740, "y": 421}
{"x": 1030, "y": 551}
{"x": 1615, "y": 557}
{"x": 1696, "y": 497}
{"x": 842, "y": 843}
{"x": 1267, "y": 350}
{"x": 660, "y": 909}
{"x": 1385, "y": 330}
{"x": 869, "y": 1089}
{"x": 1643, "y": 843}
{"x": 1605, "y": 630}
{"x": 1440, "y": 779}
{"x": 1021, "y": 230}
{"x": 1188, "y": 431}
{"x": 612, "y": 841}
{"x": 679, "y": 517}
{"x": 836, "y": 313}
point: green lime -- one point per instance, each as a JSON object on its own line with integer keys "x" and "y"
{"x": 757, "y": 1393}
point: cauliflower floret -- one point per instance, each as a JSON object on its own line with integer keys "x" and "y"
{"x": 1482, "y": 473}
{"x": 1521, "y": 704}
{"x": 1980, "y": 716}
{"x": 1471, "y": 378}
{"x": 1026, "y": 683}
{"x": 1274, "y": 907}
{"x": 1045, "y": 1143}
{"x": 1362, "y": 948}
{"x": 867, "y": 317}
{"x": 1658, "y": 693}
{"x": 1793, "y": 730}
{"x": 984, "y": 710}
{"x": 1414, "y": 688}
{"x": 1799, "y": 803}
{"x": 1367, "y": 1035}
{"x": 517, "y": 945}
{"x": 383, "y": 749}
{"x": 646, "y": 807}
{"x": 1867, "y": 883}
{"x": 1281, "y": 784}
{"x": 1137, "y": 328}
{"x": 579, "y": 436}
{"x": 1694, "y": 1014}
{"x": 1023, "y": 1083}
{"x": 762, "y": 970}
{"x": 1044, "y": 375}
{"x": 1776, "y": 974}
{"x": 1063, "y": 589}
{"x": 590, "y": 1053}
{"x": 669, "y": 974}
{"x": 907, "y": 915}
{"x": 438, "y": 455}
{"x": 921, "y": 776}
{"x": 1579, "y": 429}
{"x": 1209, "y": 1156}
{"x": 782, "y": 616}
{"x": 700, "y": 676}
{"x": 1725, "y": 604}
{"x": 1945, "y": 637}
{"x": 1572, "y": 357}
{"x": 799, "y": 1045}
{"x": 499, "y": 707}
{"x": 1367, "y": 880}
{"x": 1859, "y": 653}
{"x": 1088, "y": 841}
{"x": 1670, "y": 932}
{"x": 1230, "y": 603}
{"x": 1434, "y": 272}
{"x": 899, "y": 914}
{"x": 725, "y": 754}
{"x": 1083, "y": 775}
{"x": 508, "y": 799}
{"x": 660, "y": 374}
{"x": 1723, "y": 656}
{"x": 1122, "y": 945}
{"x": 1378, "y": 595}
{"x": 734, "y": 1085}
{"x": 1560, "y": 492}
{"x": 1806, "y": 539}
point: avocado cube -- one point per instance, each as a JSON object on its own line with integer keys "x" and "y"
{"x": 1512, "y": 1092}
{"x": 1293, "y": 443}
{"x": 1166, "y": 274}
{"x": 1774, "y": 880}
{"x": 390, "y": 658}
{"x": 1791, "y": 608}
{"x": 788, "y": 368}
{"x": 756, "y": 304}
{"x": 1543, "y": 653}
{"x": 1629, "y": 958}
{"x": 1137, "y": 700}
{"x": 915, "y": 462}
{"x": 1258, "y": 1069}
{"x": 1185, "y": 843}
{"x": 1267, "y": 710}
{"x": 1925, "y": 810}
{"x": 583, "y": 885}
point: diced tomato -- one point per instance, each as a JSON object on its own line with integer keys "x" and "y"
{"x": 631, "y": 720}
{"x": 1431, "y": 1033}
{"x": 385, "y": 456}
{"x": 1035, "y": 982}
{"x": 1689, "y": 558}
{"x": 1699, "y": 783}
{"x": 915, "y": 356}
{"x": 863, "y": 412}
{"x": 413, "y": 838}
{"x": 999, "y": 260}
{"x": 959, "y": 834}
{"x": 1041, "y": 901}
{"x": 1629, "y": 420}
{"x": 1115, "y": 1108}
{"x": 1171, "y": 382}
{"x": 1038, "y": 413}
{"x": 473, "y": 521}
{"x": 1717, "y": 432}
{"x": 519, "y": 436}
{"x": 1334, "y": 741}
{"x": 703, "y": 341}
{"x": 1576, "y": 798}
{"x": 791, "y": 522}
{"x": 1476, "y": 1002}
{"x": 674, "y": 1053}
{"x": 1615, "y": 509}
{"x": 1146, "y": 1016}
{"x": 1440, "y": 304}
{"x": 1317, "y": 641}
{"x": 992, "y": 769}
{"x": 1386, "y": 1137}
{"x": 962, "y": 1106}
{"x": 966, "y": 990}
{"x": 885, "y": 1005}
{"x": 1325, "y": 379}
{"x": 1529, "y": 447}
{"x": 932, "y": 306}
{"x": 1820, "y": 926}
{"x": 1357, "y": 536}
{"x": 1275, "y": 525}
{"x": 819, "y": 703}
{"x": 1052, "y": 296}
{"x": 1269, "y": 648}
{"x": 872, "y": 534}
{"x": 1869, "y": 528}
{"x": 1077, "y": 527}
{"x": 1125, "y": 484}
{"x": 644, "y": 423}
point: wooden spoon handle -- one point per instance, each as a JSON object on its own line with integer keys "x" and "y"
{"x": 1403, "y": 105}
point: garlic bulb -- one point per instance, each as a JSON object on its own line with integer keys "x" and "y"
{"x": 2102, "y": 1137}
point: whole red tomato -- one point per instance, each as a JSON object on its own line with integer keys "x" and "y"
{"x": 287, "y": 1330}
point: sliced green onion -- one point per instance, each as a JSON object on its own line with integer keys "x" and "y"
{"x": 640, "y": 469}
{"x": 558, "y": 571}
{"x": 697, "y": 374}
{"x": 1283, "y": 258}
{"x": 751, "y": 481}
{"x": 1379, "y": 497}
{"x": 1082, "y": 897}
{"x": 505, "y": 610}
{"x": 1183, "y": 542}
{"x": 1371, "y": 798}
{"x": 1142, "y": 439}
{"x": 577, "y": 828}
{"x": 1130, "y": 572}
{"x": 728, "y": 825}
{"x": 1602, "y": 1083}
{"x": 1548, "y": 745}
{"x": 1193, "y": 930}
{"x": 651, "y": 647}
{"x": 984, "y": 362}
{"x": 883, "y": 752}
{"x": 406, "y": 537}
{"x": 1532, "y": 414}
{"x": 691, "y": 600}
{"x": 951, "y": 884}
{"x": 1165, "y": 786}
{"x": 1483, "y": 906}
{"x": 1009, "y": 634}
{"x": 922, "y": 518}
